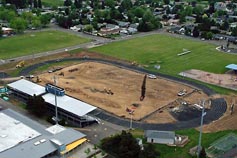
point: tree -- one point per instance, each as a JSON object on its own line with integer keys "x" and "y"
{"x": 206, "y": 24}
{"x": 126, "y": 5}
{"x": 1, "y": 31}
{"x": 148, "y": 22}
{"x": 209, "y": 35}
{"x": 149, "y": 152}
{"x": 110, "y": 3}
{"x": 166, "y": 1}
{"x": 203, "y": 153}
{"x": 67, "y": 3}
{"x": 115, "y": 14}
{"x": 39, "y": 4}
{"x": 19, "y": 24}
{"x": 199, "y": 10}
{"x": 234, "y": 31}
{"x": 37, "y": 105}
{"x": 225, "y": 25}
{"x": 36, "y": 23}
{"x": 28, "y": 16}
{"x": 35, "y": 4}
{"x": 45, "y": 19}
{"x": 138, "y": 12}
{"x": 7, "y": 15}
{"x": 124, "y": 145}
{"x": 196, "y": 32}
{"x": 88, "y": 28}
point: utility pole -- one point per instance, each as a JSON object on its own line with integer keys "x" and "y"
{"x": 200, "y": 134}
{"x": 56, "y": 106}
{"x": 131, "y": 120}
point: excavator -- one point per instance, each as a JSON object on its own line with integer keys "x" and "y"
{"x": 20, "y": 64}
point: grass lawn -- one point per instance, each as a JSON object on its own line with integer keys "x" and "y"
{"x": 163, "y": 49}
{"x": 32, "y": 43}
{"x": 54, "y": 3}
{"x": 182, "y": 152}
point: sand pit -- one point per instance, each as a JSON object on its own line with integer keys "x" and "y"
{"x": 223, "y": 80}
{"x": 114, "y": 89}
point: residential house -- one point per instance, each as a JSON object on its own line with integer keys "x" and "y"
{"x": 132, "y": 30}
{"x": 7, "y": 31}
{"x": 173, "y": 22}
{"x": 123, "y": 24}
{"x": 110, "y": 29}
{"x": 160, "y": 137}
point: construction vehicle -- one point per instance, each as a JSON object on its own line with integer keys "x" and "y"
{"x": 20, "y": 64}
{"x": 38, "y": 79}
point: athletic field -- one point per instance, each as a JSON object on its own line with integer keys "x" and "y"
{"x": 163, "y": 50}
{"x": 36, "y": 42}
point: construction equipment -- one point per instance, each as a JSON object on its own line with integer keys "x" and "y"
{"x": 38, "y": 79}
{"x": 20, "y": 64}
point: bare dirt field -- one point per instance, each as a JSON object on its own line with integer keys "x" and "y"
{"x": 115, "y": 89}
{"x": 228, "y": 80}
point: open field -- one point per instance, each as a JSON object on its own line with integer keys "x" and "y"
{"x": 32, "y": 43}
{"x": 163, "y": 49}
{"x": 114, "y": 90}
{"x": 54, "y": 3}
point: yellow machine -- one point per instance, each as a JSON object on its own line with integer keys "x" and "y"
{"x": 20, "y": 64}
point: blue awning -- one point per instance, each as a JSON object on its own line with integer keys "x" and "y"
{"x": 231, "y": 66}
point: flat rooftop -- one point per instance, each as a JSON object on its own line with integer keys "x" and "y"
{"x": 13, "y": 132}
{"x": 55, "y": 129}
{"x": 27, "y": 87}
{"x": 69, "y": 104}
{"x": 22, "y": 137}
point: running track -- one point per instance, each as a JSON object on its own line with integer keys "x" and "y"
{"x": 218, "y": 106}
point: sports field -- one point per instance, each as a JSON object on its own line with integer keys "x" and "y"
{"x": 54, "y": 3}
{"x": 162, "y": 50}
{"x": 36, "y": 42}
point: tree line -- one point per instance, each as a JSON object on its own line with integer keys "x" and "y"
{"x": 20, "y": 22}
{"x": 20, "y": 4}
{"x": 107, "y": 11}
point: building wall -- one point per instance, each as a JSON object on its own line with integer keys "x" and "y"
{"x": 160, "y": 140}
{"x": 69, "y": 117}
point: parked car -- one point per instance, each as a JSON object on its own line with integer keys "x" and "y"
{"x": 151, "y": 76}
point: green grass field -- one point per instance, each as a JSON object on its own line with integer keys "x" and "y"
{"x": 54, "y": 3}
{"x": 163, "y": 49}
{"x": 32, "y": 43}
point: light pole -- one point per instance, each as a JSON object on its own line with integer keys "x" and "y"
{"x": 200, "y": 134}
{"x": 56, "y": 106}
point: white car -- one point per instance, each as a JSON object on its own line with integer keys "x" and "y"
{"x": 151, "y": 76}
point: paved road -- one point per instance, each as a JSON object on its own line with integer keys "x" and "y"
{"x": 218, "y": 106}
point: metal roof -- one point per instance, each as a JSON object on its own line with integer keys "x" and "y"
{"x": 39, "y": 146}
{"x": 160, "y": 134}
{"x": 8, "y": 135}
{"x": 27, "y": 87}
{"x": 69, "y": 104}
{"x": 231, "y": 66}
